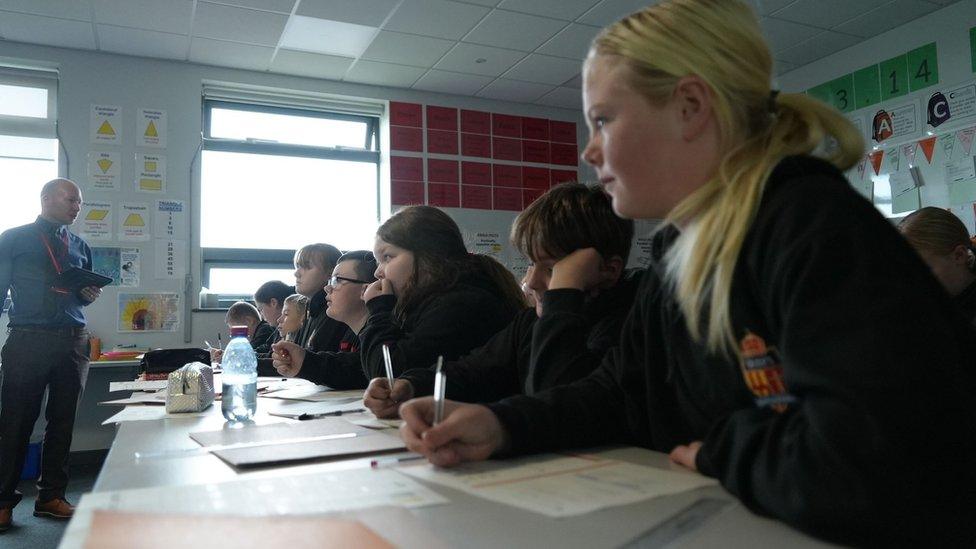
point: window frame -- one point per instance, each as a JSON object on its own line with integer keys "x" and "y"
{"x": 255, "y": 258}
{"x": 29, "y": 126}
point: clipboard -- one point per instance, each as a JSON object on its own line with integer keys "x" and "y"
{"x": 76, "y": 278}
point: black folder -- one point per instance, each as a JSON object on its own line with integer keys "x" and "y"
{"x": 76, "y": 278}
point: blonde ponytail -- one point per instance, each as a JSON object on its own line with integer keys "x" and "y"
{"x": 720, "y": 41}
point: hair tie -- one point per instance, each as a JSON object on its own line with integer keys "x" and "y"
{"x": 771, "y": 105}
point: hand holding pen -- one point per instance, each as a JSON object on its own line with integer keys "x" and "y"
{"x": 467, "y": 432}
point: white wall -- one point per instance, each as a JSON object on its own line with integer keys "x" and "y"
{"x": 88, "y": 78}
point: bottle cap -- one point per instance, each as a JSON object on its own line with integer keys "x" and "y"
{"x": 238, "y": 331}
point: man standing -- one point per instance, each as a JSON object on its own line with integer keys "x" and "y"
{"x": 46, "y": 347}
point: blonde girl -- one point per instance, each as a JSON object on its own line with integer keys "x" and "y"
{"x": 786, "y": 340}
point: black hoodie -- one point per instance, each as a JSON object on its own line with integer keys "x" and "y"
{"x": 849, "y": 408}
{"x": 533, "y": 353}
{"x": 448, "y": 323}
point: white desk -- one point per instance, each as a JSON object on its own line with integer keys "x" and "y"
{"x": 468, "y": 521}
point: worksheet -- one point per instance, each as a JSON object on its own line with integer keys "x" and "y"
{"x": 561, "y": 485}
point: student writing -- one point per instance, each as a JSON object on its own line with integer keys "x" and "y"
{"x": 531, "y": 353}
{"x": 771, "y": 345}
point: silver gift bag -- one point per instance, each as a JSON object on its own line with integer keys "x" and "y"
{"x": 190, "y": 389}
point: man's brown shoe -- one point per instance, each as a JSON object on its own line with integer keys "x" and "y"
{"x": 6, "y": 518}
{"x": 57, "y": 508}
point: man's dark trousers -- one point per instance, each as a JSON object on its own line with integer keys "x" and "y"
{"x": 35, "y": 358}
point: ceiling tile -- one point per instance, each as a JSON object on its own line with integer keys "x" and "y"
{"x": 783, "y": 67}
{"x": 887, "y": 17}
{"x": 817, "y": 47}
{"x": 507, "y": 29}
{"x": 511, "y": 90}
{"x": 611, "y": 11}
{"x": 34, "y": 29}
{"x": 230, "y": 54}
{"x": 826, "y": 14}
{"x": 407, "y": 49}
{"x": 142, "y": 42}
{"x": 328, "y": 37}
{"x": 171, "y": 16}
{"x": 767, "y": 7}
{"x": 465, "y": 58}
{"x": 280, "y": 6}
{"x": 62, "y": 9}
{"x": 573, "y": 41}
{"x": 451, "y": 82}
{"x": 785, "y": 34}
{"x": 574, "y": 82}
{"x": 371, "y": 13}
{"x": 383, "y": 74}
{"x": 310, "y": 64}
{"x": 239, "y": 24}
{"x": 567, "y": 98}
{"x": 567, "y": 10}
{"x": 435, "y": 18}
{"x": 544, "y": 69}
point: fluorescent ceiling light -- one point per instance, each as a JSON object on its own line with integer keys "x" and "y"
{"x": 324, "y": 36}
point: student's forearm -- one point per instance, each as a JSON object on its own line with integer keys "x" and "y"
{"x": 559, "y": 351}
{"x": 336, "y": 370}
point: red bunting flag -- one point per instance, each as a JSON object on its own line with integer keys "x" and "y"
{"x": 928, "y": 147}
{"x": 876, "y": 158}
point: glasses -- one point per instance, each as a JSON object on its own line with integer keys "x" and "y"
{"x": 335, "y": 280}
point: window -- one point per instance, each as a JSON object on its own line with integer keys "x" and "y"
{"x": 274, "y": 178}
{"x": 28, "y": 144}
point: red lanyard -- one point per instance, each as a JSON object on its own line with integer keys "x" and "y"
{"x": 54, "y": 260}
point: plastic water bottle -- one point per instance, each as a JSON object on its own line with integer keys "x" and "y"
{"x": 240, "y": 377}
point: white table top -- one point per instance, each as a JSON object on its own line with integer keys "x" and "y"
{"x": 468, "y": 521}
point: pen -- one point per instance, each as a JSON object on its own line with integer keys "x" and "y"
{"x": 440, "y": 386}
{"x": 389, "y": 365}
{"x": 220, "y": 344}
{"x": 303, "y": 417}
{"x": 382, "y": 462}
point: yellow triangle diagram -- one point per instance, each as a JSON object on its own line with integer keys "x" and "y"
{"x": 134, "y": 220}
{"x": 104, "y": 164}
{"x": 96, "y": 215}
{"x": 151, "y": 130}
{"x": 151, "y": 184}
{"x": 106, "y": 129}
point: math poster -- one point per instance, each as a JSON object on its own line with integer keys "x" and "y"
{"x": 95, "y": 221}
{"x": 171, "y": 219}
{"x": 104, "y": 168}
{"x": 150, "y": 312}
{"x": 150, "y": 173}
{"x": 134, "y": 221}
{"x": 151, "y": 130}
{"x": 106, "y": 124}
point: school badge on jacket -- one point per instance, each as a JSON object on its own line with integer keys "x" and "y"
{"x": 763, "y": 373}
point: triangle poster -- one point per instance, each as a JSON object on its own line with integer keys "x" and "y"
{"x": 151, "y": 128}
{"x": 106, "y": 124}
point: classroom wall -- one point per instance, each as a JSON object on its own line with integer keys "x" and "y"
{"x": 932, "y": 165}
{"x": 88, "y": 78}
